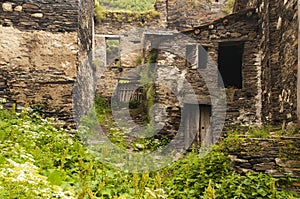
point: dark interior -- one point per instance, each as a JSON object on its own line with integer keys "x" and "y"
{"x": 230, "y": 64}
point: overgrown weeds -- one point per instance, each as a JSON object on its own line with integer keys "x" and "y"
{"x": 38, "y": 160}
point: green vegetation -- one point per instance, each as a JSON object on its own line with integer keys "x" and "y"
{"x": 139, "y": 60}
{"x": 211, "y": 177}
{"x": 266, "y": 131}
{"x": 229, "y": 7}
{"x": 112, "y": 52}
{"x": 148, "y": 79}
{"x": 123, "y": 15}
{"x": 118, "y": 135}
{"x": 129, "y": 5}
{"x": 38, "y": 160}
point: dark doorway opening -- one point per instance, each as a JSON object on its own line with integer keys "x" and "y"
{"x": 230, "y": 61}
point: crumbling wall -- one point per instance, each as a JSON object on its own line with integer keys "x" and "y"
{"x": 40, "y": 69}
{"x": 186, "y": 14}
{"x": 39, "y": 54}
{"x": 55, "y": 16}
{"x": 276, "y": 156}
{"x": 129, "y": 27}
{"x": 244, "y": 104}
{"x": 180, "y": 81}
{"x": 240, "y": 5}
{"x": 279, "y": 27}
{"x": 113, "y": 22}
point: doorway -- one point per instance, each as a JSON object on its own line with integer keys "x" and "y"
{"x": 230, "y": 59}
{"x": 196, "y": 121}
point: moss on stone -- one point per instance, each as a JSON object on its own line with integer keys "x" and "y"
{"x": 124, "y": 16}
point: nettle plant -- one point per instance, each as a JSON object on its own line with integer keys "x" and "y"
{"x": 38, "y": 160}
{"x": 23, "y": 154}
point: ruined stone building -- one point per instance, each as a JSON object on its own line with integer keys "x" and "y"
{"x": 45, "y": 56}
{"x": 55, "y": 59}
{"x": 44, "y": 46}
{"x": 254, "y": 49}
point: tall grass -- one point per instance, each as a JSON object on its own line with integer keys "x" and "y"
{"x": 130, "y": 5}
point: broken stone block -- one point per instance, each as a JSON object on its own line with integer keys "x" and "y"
{"x": 264, "y": 166}
{"x": 293, "y": 163}
{"x": 29, "y": 6}
{"x": 7, "y": 22}
{"x": 279, "y": 162}
{"x": 7, "y": 7}
{"x": 37, "y": 15}
{"x": 18, "y": 8}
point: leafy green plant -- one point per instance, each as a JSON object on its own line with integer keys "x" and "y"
{"x": 133, "y": 104}
{"x": 100, "y": 12}
{"x": 38, "y": 160}
{"x": 138, "y": 61}
{"x": 255, "y": 132}
{"x": 209, "y": 192}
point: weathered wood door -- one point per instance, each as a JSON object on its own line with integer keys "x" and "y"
{"x": 196, "y": 121}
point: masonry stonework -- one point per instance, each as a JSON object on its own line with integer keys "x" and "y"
{"x": 276, "y": 156}
{"x": 181, "y": 15}
{"x": 51, "y": 41}
{"x": 269, "y": 57}
{"x": 279, "y": 26}
{"x": 46, "y": 62}
{"x": 41, "y": 53}
{"x": 128, "y": 28}
{"x": 242, "y": 103}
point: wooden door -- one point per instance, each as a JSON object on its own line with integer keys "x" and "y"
{"x": 204, "y": 131}
{"x": 196, "y": 121}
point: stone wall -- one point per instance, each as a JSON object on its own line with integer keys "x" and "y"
{"x": 240, "y": 5}
{"x": 279, "y": 26}
{"x": 244, "y": 104}
{"x": 114, "y": 22}
{"x": 48, "y": 15}
{"x": 276, "y": 156}
{"x": 129, "y": 28}
{"x": 181, "y": 15}
{"x": 86, "y": 81}
{"x": 40, "y": 54}
{"x": 180, "y": 81}
{"x": 269, "y": 42}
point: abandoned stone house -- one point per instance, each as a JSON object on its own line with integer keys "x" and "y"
{"x": 52, "y": 56}
{"x": 46, "y": 58}
{"x": 255, "y": 50}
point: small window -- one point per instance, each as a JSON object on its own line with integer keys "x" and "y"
{"x": 196, "y": 56}
{"x": 202, "y": 56}
{"x": 230, "y": 59}
{"x": 191, "y": 55}
{"x": 112, "y": 51}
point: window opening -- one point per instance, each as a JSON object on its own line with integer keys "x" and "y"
{"x": 112, "y": 51}
{"x": 230, "y": 64}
